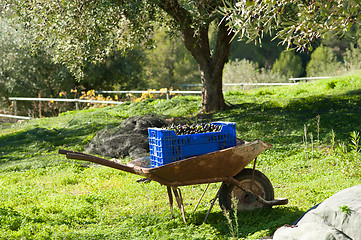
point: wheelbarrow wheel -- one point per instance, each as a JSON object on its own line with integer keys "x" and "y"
{"x": 261, "y": 185}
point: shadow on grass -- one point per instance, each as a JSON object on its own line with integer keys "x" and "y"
{"x": 265, "y": 220}
{"x": 145, "y": 225}
{"x": 37, "y": 141}
{"x": 285, "y": 124}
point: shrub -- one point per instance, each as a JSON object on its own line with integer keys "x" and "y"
{"x": 240, "y": 71}
{"x": 323, "y": 63}
{"x": 352, "y": 58}
{"x": 245, "y": 71}
{"x": 288, "y": 64}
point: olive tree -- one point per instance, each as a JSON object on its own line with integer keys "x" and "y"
{"x": 24, "y": 74}
{"x": 84, "y": 31}
{"x": 297, "y": 22}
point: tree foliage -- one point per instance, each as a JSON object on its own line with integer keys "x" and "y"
{"x": 288, "y": 64}
{"x": 297, "y": 22}
{"x": 352, "y": 58}
{"x": 120, "y": 70}
{"x": 28, "y": 73}
{"x": 169, "y": 64}
{"x": 323, "y": 63}
{"x": 245, "y": 71}
{"x": 86, "y": 31}
{"x": 24, "y": 74}
{"x": 83, "y": 31}
{"x": 264, "y": 55}
{"x": 79, "y": 32}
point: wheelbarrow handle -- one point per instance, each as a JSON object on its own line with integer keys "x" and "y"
{"x": 98, "y": 160}
{"x": 63, "y": 151}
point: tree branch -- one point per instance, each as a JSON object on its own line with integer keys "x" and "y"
{"x": 191, "y": 31}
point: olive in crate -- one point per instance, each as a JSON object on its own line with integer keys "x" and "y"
{"x": 194, "y": 128}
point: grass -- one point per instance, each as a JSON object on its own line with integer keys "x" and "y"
{"x": 45, "y": 196}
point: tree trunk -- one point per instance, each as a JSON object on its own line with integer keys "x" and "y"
{"x": 212, "y": 91}
{"x": 211, "y": 66}
{"x": 210, "y": 63}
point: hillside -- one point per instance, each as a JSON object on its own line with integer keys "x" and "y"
{"x": 314, "y": 128}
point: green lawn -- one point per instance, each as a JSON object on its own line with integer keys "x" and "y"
{"x": 45, "y": 196}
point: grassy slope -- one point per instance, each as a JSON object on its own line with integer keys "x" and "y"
{"x": 44, "y": 196}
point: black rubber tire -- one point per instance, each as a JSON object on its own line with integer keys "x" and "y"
{"x": 261, "y": 185}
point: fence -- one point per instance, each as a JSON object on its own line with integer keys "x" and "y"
{"x": 240, "y": 84}
{"x": 294, "y": 80}
{"x": 307, "y": 78}
{"x": 14, "y": 116}
{"x": 76, "y": 101}
{"x": 168, "y": 92}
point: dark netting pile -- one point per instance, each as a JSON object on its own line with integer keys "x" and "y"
{"x": 128, "y": 139}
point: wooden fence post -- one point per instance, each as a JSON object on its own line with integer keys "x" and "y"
{"x": 39, "y": 96}
{"x": 15, "y": 108}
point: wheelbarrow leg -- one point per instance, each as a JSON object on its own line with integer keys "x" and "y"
{"x": 200, "y": 199}
{"x": 178, "y": 197}
{"x": 212, "y": 204}
{"x": 170, "y": 196}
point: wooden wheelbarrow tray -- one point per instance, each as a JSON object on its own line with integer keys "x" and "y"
{"x": 219, "y": 166}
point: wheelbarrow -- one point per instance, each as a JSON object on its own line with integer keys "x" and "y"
{"x": 248, "y": 186}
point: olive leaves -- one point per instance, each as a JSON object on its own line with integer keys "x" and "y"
{"x": 297, "y": 23}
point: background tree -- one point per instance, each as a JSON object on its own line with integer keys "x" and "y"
{"x": 85, "y": 31}
{"x": 288, "y": 64}
{"x": 323, "y": 63}
{"x": 169, "y": 63}
{"x": 352, "y": 59}
{"x": 27, "y": 74}
{"x": 24, "y": 74}
{"x": 263, "y": 54}
{"x": 120, "y": 70}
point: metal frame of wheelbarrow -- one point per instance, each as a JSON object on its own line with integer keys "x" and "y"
{"x": 219, "y": 166}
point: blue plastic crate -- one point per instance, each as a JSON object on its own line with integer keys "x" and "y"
{"x": 166, "y": 147}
